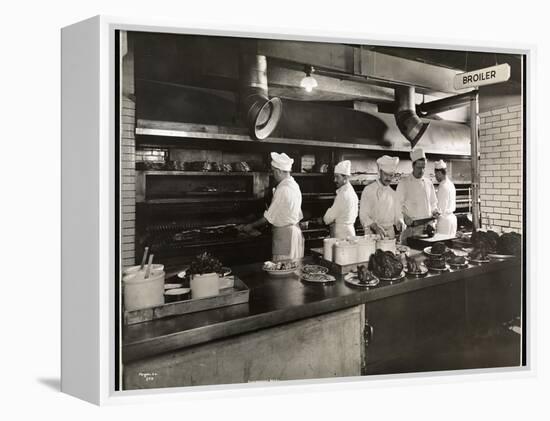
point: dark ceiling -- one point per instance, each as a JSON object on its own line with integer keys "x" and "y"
{"x": 459, "y": 60}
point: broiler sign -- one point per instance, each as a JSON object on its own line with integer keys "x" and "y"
{"x": 487, "y": 76}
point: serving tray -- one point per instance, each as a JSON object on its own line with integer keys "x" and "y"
{"x": 238, "y": 294}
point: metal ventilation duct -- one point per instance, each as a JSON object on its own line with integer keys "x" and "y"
{"x": 260, "y": 114}
{"x": 408, "y": 122}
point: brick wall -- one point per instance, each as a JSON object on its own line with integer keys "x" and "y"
{"x": 501, "y": 166}
{"x": 151, "y": 154}
{"x": 128, "y": 160}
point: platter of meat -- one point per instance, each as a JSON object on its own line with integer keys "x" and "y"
{"x": 458, "y": 262}
{"x": 437, "y": 264}
{"x": 415, "y": 268}
{"x": 436, "y": 250}
{"x": 310, "y": 269}
{"x": 361, "y": 278}
{"x": 317, "y": 278}
{"x": 479, "y": 256}
{"x": 281, "y": 268}
{"x": 386, "y": 266}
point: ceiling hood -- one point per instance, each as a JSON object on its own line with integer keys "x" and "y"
{"x": 189, "y": 112}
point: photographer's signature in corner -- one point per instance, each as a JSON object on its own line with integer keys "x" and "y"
{"x": 148, "y": 376}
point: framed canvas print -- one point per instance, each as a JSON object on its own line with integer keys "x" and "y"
{"x": 244, "y": 209}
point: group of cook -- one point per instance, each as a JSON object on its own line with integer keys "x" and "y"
{"x": 382, "y": 210}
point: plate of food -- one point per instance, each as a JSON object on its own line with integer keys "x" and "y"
{"x": 281, "y": 268}
{"x": 362, "y": 277}
{"x": 458, "y": 262}
{"x": 317, "y": 278}
{"x": 386, "y": 266}
{"x": 479, "y": 256}
{"x": 394, "y": 278}
{"x": 500, "y": 256}
{"x": 436, "y": 250}
{"x": 314, "y": 269}
{"x": 437, "y": 264}
{"x": 415, "y": 268}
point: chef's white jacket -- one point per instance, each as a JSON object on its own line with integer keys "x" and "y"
{"x": 446, "y": 201}
{"x": 286, "y": 206}
{"x": 446, "y": 197}
{"x": 417, "y": 197}
{"x": 345, "y": 208}
{"x": 380, "y": 204}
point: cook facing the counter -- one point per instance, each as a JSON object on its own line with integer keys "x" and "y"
{"x": 446, "y": 200}
{"x": 380, "y": 209}
{"x": 284, "y": 212}
{"x": 342, "y": 214}
{"x": 417, "y": 196}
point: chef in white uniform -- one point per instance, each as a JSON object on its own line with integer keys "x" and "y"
{"x": 446, "y": 201}
{"x": 380, "y": 209}
{"x": 284, "y": 212}
{"x": 342, "y": 214}
{"x": 417, "y": 196}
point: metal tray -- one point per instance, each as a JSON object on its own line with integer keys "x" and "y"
{"x": 238, "y": 294}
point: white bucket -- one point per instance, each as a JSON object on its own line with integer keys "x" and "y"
{"x": 345, "y": 253}
{"x": 387, "y": 245}
{"x": 366, "y": 247}
{"x": 143, "y": 293}
{"x": 205, "y": 285}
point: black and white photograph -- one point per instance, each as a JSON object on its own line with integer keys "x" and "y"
{"x": 289, "y": 209}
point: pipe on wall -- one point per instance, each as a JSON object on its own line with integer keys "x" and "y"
{"x": 408, "y": 122}
{"x": 260, "y": 113}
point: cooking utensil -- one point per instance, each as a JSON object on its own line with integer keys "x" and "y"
{"x": 144, "y": 258}
{"x": 148, "y": 271}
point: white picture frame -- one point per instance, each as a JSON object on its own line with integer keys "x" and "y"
{"x": 88, "y": 211}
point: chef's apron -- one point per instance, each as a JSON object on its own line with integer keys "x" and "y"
{"x": 446, "y": 224}
{"x": 342, "y": 231}
{"x": 287, "y": 243}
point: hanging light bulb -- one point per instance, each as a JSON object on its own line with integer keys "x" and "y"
{"x": 308, "y": 82}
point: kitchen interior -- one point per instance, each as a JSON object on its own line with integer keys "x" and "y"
{"x": 195, "y": 164}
